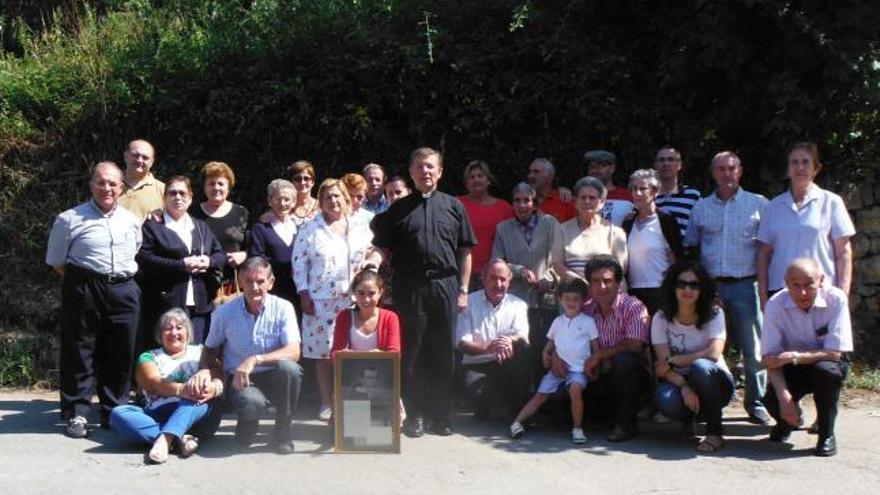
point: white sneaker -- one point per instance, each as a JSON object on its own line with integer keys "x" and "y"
{"x": 577, "y": 436}
{"x": 516, "y": 430}
{"x": 325, "y": 413}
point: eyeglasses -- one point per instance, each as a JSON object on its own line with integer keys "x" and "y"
{"x": 302, "y": 178}
{"x": 687, "y": 284}
{"x": 177, "y": 193}
{"x": 667, "y": 159}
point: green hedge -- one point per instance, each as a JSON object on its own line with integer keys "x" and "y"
{"x": 260, "y": 83}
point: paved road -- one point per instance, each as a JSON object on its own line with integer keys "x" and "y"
{"x": 35, "y": 458}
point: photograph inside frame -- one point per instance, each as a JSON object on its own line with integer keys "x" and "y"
{"x": 367, "y": 399}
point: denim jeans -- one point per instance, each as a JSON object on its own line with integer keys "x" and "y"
{"x": 135, "y": 424}
{"x": 744, "y": 328}
{"x": 712, "y": 384}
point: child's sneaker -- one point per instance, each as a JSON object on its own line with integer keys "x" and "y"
{"x": 577, "y": 436}
{"x": 516, "y": 430}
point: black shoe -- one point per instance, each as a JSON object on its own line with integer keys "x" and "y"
{"x": 780, "y": 432}
{"x": 77, "y": 427}
{"x": 246, "y": 432}
{"x": 414, "y": 427}
{"x": 621, "y": 434}
{"x": 759, "y": 416}
{"x": 441, "y": 428}
{"x": 284, "y": 447}
{"x": 826, "y": 447}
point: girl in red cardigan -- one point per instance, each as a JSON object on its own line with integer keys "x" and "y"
{"x": 366, "y": 326}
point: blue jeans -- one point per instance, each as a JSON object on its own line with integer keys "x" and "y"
{"x": 744, "y": 327}
{"x": 135, "y": 424}
{"x": 712, "y": 384}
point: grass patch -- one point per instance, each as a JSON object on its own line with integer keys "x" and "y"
{"x": 25, "y": 362}
{"x": 863, "y": 377}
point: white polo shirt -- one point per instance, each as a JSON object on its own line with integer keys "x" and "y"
{"x": 825, "y": 326}
{"x": 482, "y": 322}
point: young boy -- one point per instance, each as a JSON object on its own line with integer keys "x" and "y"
{"x": 573, "y": 337}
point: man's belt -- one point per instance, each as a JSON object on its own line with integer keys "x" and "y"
{"x": 86, "y": 274}
{"x": 731, "y": 280}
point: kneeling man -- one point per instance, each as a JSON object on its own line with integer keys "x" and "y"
{"x": 258, "y": 337}
{"x": 493, "y": 334}
{"x": 806, "y": 336}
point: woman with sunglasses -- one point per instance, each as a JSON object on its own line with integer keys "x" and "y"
{"x": 688, "y": 334}
{"x": 302, "y": 175}
{"x": 180, "y": 261}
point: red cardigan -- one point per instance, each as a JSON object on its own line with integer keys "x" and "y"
{"x": 388, "y": 331}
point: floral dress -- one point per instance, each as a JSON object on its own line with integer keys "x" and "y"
{"x": 324, "y": 263}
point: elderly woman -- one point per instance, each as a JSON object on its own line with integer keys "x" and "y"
{"x": 327, "y": 253}
{"x": 688, "y": 336}
{"x": 302, "y": 174}
{"x": 356, "y": 186}
{"x": 804, "y": 222}
{"x": 587, "y": 234}
{"x": 272, "y": 239}
{"x": 228, "y": 221}
{"x": 485, "y": 213}
{"x": 653, "y": 240}
{"x": 173, "y": 415}
{"x": 179, "y": 261}
{"x": 525, "y": 242}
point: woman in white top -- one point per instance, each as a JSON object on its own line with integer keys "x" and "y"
{"x": 327, "y": 253}
{"x": 653, "y": 240}
{"x": 688, "y": 334}
{"x": 587, "y": 234}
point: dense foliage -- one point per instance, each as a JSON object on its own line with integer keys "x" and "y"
{"x": 260, "y": 83}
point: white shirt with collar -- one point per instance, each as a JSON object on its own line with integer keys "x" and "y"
{"x": 184, "y": 229}
{"x": 825, "y": 326}
{"x": 482, "y": 322}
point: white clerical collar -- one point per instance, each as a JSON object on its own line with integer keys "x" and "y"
{"x": 427, "y": 195}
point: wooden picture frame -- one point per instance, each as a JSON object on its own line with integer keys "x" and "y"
{"x": 366, "y": 389}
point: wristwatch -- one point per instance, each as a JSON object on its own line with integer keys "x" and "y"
{"x": 463, "y": 289}
{"x": 259, "y": 359}
{"x": 794, "y": 358}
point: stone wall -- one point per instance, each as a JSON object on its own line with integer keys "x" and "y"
{"x": 862, "y": 197}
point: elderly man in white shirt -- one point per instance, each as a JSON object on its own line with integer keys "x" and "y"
{"x": 807, "y": 333}
{"x": 493, "y": 334}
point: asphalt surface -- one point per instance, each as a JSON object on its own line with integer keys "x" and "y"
{"x": 36, "y": 458}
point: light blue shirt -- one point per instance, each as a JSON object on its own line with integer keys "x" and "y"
{"x": 727, "y": 233}
{"x": 241, "y": 334}
{"x": 87, "y": 237}
{"x": 825, "y": 326}
{"x": 805, "y": 232}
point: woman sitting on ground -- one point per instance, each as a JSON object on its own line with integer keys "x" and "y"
{"x": 174, "y": 414}
{"x": 688, "y": 334}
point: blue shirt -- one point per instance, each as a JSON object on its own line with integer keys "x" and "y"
{"x": 242, "y": 334}
{"x": 727, "y": 233}
{"x": 375, "y": 207}
{"x": 805, "y": 232}
{"x": 825, "y": 326}
{"x": 87, "y": 237}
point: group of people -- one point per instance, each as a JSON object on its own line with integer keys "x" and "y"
{"x": 609, "y": 292}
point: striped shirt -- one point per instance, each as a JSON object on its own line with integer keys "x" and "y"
{"x": 679, "y": 204}
{"x": 243, "y": 335}
{"x": 727, "y": 233}
{"x": 628, "y": 320}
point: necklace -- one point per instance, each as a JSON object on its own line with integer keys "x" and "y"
{"x": 309, "y": 208}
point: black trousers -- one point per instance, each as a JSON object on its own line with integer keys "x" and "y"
{"x": 823, "y": 379}
{"x": 98, "y": 329}
{"x": 507, "y": 381}
{"x": 428, "y": 313}
{"x": 650, "y": 297}
{"x": 540, "y": 320}
{"x": 619, "y": 390}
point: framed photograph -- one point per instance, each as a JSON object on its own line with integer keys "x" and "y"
{"x": 367, "y": 401}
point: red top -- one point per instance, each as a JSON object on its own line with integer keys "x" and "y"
{"x": 552, "y": 205}
{"x": 387, "y": 330}
{"x": 620, "y": 193}
{"x": 484, "y": 219}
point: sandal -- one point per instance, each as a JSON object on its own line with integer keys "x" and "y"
{"x": 158, "y": 454}
{"x": 187, "y": 446}
{"x": 710, "y": 444}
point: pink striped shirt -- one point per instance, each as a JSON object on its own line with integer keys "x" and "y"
{"x": 628, "y": 320}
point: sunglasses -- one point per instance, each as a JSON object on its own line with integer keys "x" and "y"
{"x": 171, "y": 192}
{"x": 302, "y": 178}
{"x": 687, "y": 284}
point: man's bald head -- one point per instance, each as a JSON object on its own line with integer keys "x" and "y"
{"x": 803, "y": 278}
